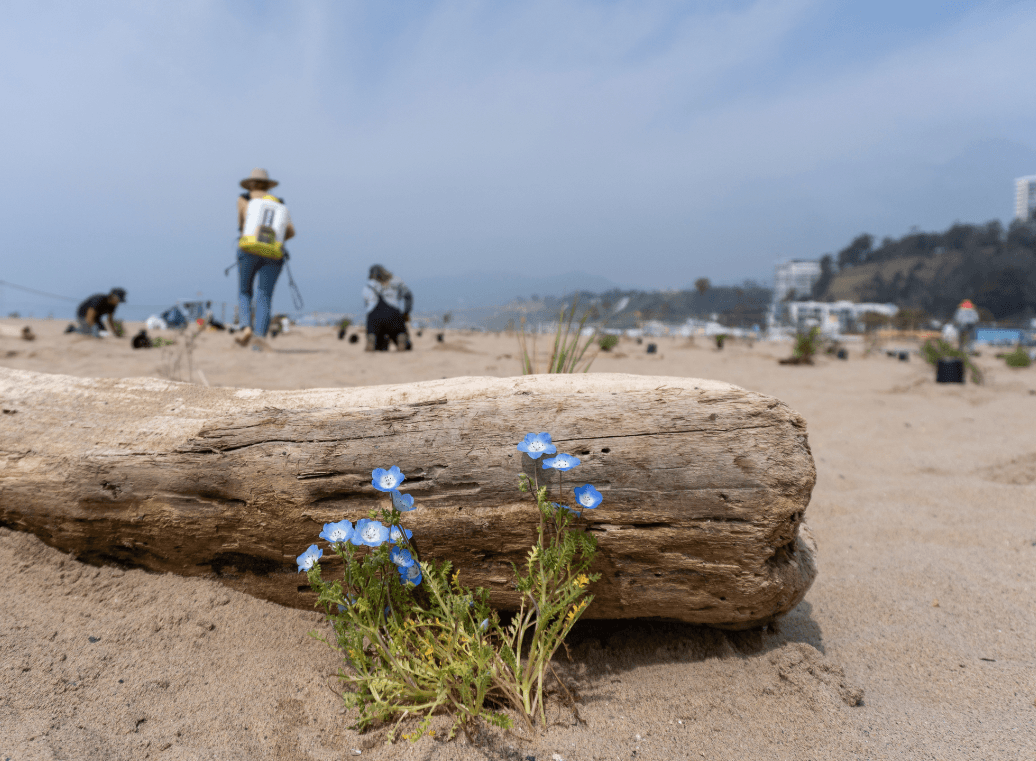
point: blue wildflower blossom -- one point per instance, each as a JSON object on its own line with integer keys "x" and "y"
{"x": 396, "y": 534}
{"x": 386, "y": 480}
{"x": 402, "y": 502}
{"x": 537, "y": 444}
{"x": 561, "y": 462}
{"x": 370, "y": 533}
{"x": 401, "y": 557}
{"x": 484, "y": 625}
{"x": 587, "y": 496}
{"x": 411, "y": 575}
{"x": 309, "y": 558}
{"x": 337, "y": 533}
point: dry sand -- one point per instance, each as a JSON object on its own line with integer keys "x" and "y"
{"x": 924, "y": 512}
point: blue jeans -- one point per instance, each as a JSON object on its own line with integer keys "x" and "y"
{"x": 268, "y": 270}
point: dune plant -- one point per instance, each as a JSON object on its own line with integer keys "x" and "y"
{"x": 415, "y": 641}
{"x": 608, "y": 342}
{"x": 1018, "y": 358}
{"x": 935, "y": 349}
{"x": 567, "y": 354}
{"x": 806, "y": 345}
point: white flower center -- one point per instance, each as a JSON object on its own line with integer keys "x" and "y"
{"x": 388, "y": 481}
{"x": 586, "y": 500}
{"x": 537, "y": 446}
{"x": 370, "y": 533}
{"x": 337, "y": 535}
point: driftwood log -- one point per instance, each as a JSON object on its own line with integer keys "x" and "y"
{"x": 704, "y": 484}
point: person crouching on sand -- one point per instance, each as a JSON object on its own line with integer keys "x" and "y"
{"x": 264, "y": 225}
{"x": 388, "y": 303}
{"x": 90, "y": 313}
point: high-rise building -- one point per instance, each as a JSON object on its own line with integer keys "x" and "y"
{"x": 1024, "y": 196}
{"x": 793, "y": 279}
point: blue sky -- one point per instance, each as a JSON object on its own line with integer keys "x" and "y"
{"x": 645, "y": 142}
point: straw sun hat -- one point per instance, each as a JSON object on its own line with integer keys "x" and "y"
{"x": 258, "y": 176}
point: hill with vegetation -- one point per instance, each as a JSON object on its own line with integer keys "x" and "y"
{"x": 739, "y": 306}
{"x": 931, "y": 273}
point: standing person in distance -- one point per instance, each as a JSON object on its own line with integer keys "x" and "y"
{"x": 264, "y": 225}
{"x": 388, "y": 303}
{"x": 89, "y": 314}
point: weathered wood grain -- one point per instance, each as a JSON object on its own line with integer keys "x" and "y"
{"x": 704, "y": 484}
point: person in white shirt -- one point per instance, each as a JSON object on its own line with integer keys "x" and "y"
{"x": 388, "y": 302}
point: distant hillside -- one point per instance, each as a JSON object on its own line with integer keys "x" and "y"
{"x": 933, "y": 272}
{"x": 738, "y": 306}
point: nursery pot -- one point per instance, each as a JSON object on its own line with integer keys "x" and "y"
{"x": 949, "y": 370}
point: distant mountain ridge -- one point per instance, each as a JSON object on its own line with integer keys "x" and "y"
{"x": 934, "y": 272}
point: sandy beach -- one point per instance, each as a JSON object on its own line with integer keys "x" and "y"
{"x": 915, "y": 642}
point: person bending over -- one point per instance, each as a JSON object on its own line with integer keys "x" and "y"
{"x": 264, "y": 225}
{"x": 94, "y": 308}
{"x": 388, "y": 303}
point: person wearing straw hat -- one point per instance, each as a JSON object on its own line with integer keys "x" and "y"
{"x": 263, "y": 225}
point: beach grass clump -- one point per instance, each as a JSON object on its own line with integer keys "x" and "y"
{"x": 608, "y": 342}
{"x": 1018, "y": 358}
{"x": 415, "y": 641}
{"x": 566, "y": 356}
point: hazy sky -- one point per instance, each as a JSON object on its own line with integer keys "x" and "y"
{"x": 644, "y": 141}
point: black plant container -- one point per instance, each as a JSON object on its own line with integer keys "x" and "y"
{"x": 949, "y": 370}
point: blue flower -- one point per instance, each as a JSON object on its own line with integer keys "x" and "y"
{"x": 309, "y": 558}
{"x": 411, "y": 574}
{"x": 587, "y": 496}
{"x": 370, "y": 533}
{"x": 561, "y": 462}
{"x": 386, "y": 480}
{"x": 396, "y": 534}
{"x": 484, "y": 625}
{"x": 350, "y": 600}
{"x": 402, "y": 502}
{"x": 401, "y": 557}
{"x": 337, "y": 533}
{"x": 536, "y": 444}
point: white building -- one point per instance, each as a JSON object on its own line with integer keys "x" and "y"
{"x": 792, "y": 279}
{"x": 833, "y": 317}
{"x": 1024, "y": 196}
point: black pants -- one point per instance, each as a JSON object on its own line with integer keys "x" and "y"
{"x": 386, "y": 323}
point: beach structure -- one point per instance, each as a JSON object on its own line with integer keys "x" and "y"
{"x": 792, "y": 279}
{"x": 1024, "y": 196}
{"x": 833, "y": 317}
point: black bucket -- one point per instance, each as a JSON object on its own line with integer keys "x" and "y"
{"x": 652, "y": 348}
{"x": 950, "y": 370}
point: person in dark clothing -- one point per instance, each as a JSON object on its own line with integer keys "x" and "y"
{"x": 94, "y": 308}
{"x": 388, "y": 303}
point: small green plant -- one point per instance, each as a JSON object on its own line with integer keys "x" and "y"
{"x": 344, "y": 323}
{"x": 415, "y": 641}
{"x": 806, "y": 345}
{"x": 1018, "y": 358}
{"x": 935, "y": 349}
{"x": 608, "y": 342}
{"x": 159, "y": 341}
{"x": 120, "y": 329}
{"x": 720, "y": 339}
{"x": 567, "y": 353}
